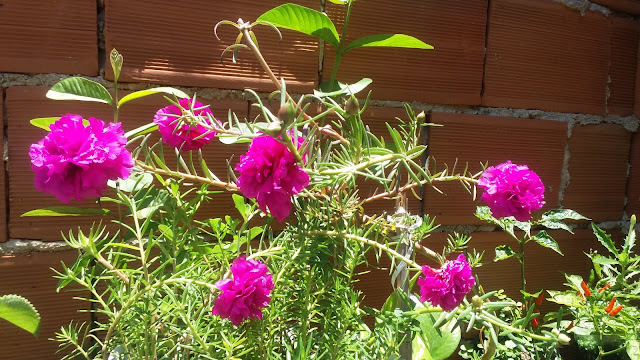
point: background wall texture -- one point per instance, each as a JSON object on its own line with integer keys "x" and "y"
{"x": 552, "y": 84}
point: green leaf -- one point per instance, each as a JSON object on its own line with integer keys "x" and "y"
{"x": 562, "y": 214}
{"x": 134, "y": 182}
{"x": 144, "y": 129}
{"x": 633, "y": 349}
{"x": 43, "y": 123}
{"x": 388, "y": 40}
{"x": 547, "y": 241}
{"x": 345, "y": 89}
{"x": 435, "y": 343}
{"x": 504, "y": 252}
{"x": 78, "y": 88}
{"x": 240, "y": 205}
{"x": 567, "y": 299}
{"x": 340, "y": 2}
{"x": 66, "y": 211}
{"x": 605, "y": 239}
{"x": 603, "y": 260}
{"x": 147, "y": 92}
{"x": 19, "y": 311}
{"x": 305, "y": 20}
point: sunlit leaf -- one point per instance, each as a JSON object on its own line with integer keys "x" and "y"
{"x": 302, "y": 19}
{"x": 435, "y": 342}
{"x": 388, "y": 40}
{"x": 66, "y": 211}
{"x": 504, "y": 252}
{"x": 142, "y": 93}
{"x": 19, "y": 311}
{"x": 345, "y": 89}
{"x": 544, "y": 239}
{"x": 78, "y": 88}
{"x": 44, "y": 123}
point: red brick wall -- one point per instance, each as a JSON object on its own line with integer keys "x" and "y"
{"x": 532, "y": 81}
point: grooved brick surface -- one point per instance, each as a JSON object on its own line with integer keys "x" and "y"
{"x": 633, "y": 181}
{"x": 41, "y": 36}
{"x": 3, "y": 203}
{"x": 622, "y": 71}
{"x": 627, "y": 6}
{"x": 636, "y": 107}
{"x": 598, "y": 169}
{"x": 159, "y": 46}
{"x": 450, "y": 74}
{"x": 543, "y": 55}
{"x": 476, "y": 139}
{"x": 30, "y": 276}
{"x": 25, "y": 103}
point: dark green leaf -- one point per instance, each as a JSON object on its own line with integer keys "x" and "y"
{"x": 504, "y": 252}
{"x": 604, "y": 238}
{"x": 78, "y": 88}
{"x": 143, "y": 93}
{"x": 19, "y": 311}
{"x": 388, "y": 40}
{"x": 305, "y": 20}
{"x": 66, "y": 211}
{"x": 544, "y": 239}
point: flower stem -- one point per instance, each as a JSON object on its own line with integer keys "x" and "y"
{"x": 339, "y": 53}
{"x": 194, "y": 178}
{"x": 362, "y": 166}
{"x": 414, "y": 185}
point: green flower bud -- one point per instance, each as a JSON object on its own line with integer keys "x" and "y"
{"x": 422, "y": 117}
{"x": 477, "y": 302}
{"x": 352, "y": 107}
{"x": 274, "y": 129}
{"x": 287, "y": 113}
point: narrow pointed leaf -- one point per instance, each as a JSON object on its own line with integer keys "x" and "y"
{"x": 388, "y": 40}
{"x": 544, "y": 239}
{"x": 78, "y": 88}
{"x": 66, "y": 211}
{"x": 604, "y": 238}
{"x": 147, "y": 92}
{"x": 304, "y": 20}
{"x": 19, "y": 311}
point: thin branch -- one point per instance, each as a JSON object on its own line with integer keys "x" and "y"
{"x": 194, "y": 178}
{"x": 394, "y": 192}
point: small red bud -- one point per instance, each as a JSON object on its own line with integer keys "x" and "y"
{"x": 587, "y": 292}
{"x": 604, "y": 288}
{"x": 539, "y": 299}
{"x": 535, "y": 322}
{"x": 610, "y": 306}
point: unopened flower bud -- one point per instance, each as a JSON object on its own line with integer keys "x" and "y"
{"x": 274, "y": 129}
{"x": 352, "y": 107}
{"x": 422, "y": 117}
{"x": 287, "y": 113}
{"x": 477, "y": 302}
{"x": 563, "y": 339}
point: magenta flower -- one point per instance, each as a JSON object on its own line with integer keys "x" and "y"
{"x": 75, "y": 160}
{"x": 512, "y": 190}
{"x": 243, "y": 296}
{"x": 190, "y": 135}
{"x": 269, "y": 172}
{"x": 447, "y": 286}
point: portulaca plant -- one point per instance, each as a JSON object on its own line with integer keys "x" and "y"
{"x": 168, "y": 284}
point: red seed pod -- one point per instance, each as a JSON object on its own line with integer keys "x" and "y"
{"x": 610, "y": 306}
{"x": 580, "y": 294}
{"x": 535, "y": 322}
{"x": 615, "y": 311}
{"x": 604, "y": 288}
{"x": 587, "y": 292}
{"x": 539, "y": 299}
{"x": 570, "y": 325}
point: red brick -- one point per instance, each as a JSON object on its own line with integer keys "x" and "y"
{"x": 450, "y": 74}
{"x": 43, "y": 36}
{"x": 598, "y": 169}
{"x": 159, "y": 46}
{"x": 25, "y": 103}
{"x": 3, "y": 202}
{"x": 628, "y": 6}
{"x": 30, "y": 275}
{"x": 543, "y": 55}
{"x": 622, "y": 70}
{"x": 476, "y": 139}
{"x": 633, "y": 182}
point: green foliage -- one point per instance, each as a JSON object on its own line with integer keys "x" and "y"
{"x": 388, "y": 40}
{"x": 304, "y": 20}
{"x": 78, "y": 88}
{"x": 19, "y": 311}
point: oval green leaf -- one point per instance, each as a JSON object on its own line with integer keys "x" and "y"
{"x": 345, "y": 89}
{"x": 78, "y": 88}
{"x": 19, "y": 311}
{"x": 147, "y": 92}
{"x": 304, "y": 20}
{"x": 388, "y": 40}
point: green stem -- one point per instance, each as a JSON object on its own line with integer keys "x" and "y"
{"x": 339, "y": 53}
{"x": 607, "y": 353}
{"x": 521, "y": 258}
{"x": 365, "y": 241}
{"x": 362, "y": 166}
{"x": 292, "y": 148}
